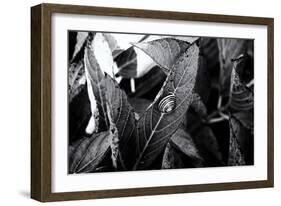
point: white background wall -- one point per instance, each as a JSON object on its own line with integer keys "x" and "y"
{"x": 15, "y": 102}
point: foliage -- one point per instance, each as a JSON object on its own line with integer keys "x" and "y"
{"x": 161, "y": 102}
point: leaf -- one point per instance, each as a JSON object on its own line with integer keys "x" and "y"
{"x": 155, "y": 128}
{"x": 122, "y": 115}
{"x": 235, "y": 155}
{"x": 127, "y": 63}
{"x": 80, "y": 41}
{"x": 188, "y": 39}
{"x": 183, "y": 141}
{"x": 139, "y": 104}
{"x": 154, "y": 78}
{"x": 241, "y": 119}
{"x": 198, "y": 105}
{"x": 114, "y": 144}
{"x": 112, "y": 42}
{"x": 76, "y": 79}
{"x": 206, "y": 80}
{"x": 89, "y": 152}
{"x": 79, "y": 111}
{"x": 93, "y": 124}
{"x": 242, "y": 98}
{"x": 246, "y": 119}
{"x": 229, "y": 50}
{"x": 171, "y": 159}
{"x": 134, "y": 63}
{"x": 208, "y": 146}
{"x": 106, "y": 90}
{"x": 164, "y": 52}
{"x": 97, "y": 59}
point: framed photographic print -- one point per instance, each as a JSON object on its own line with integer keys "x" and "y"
{"x": 132, "y": 102}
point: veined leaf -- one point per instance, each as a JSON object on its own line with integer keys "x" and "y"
{"x": 98, "y": 60}
{"x": 188, "y": 39}
{"x": 107, "y": 91}
{"x": 183, "y": 141}
{"x": 89, "y": 152}
{"x": 80, "y": 42}
{"x": 164, "y": 52}
{"x": 242, "y": 98}
{"x": 76, "y": 79}
{"x": 137, "y": 61}
{"x": 122, "y": 115}
{"x": 229, "y": 50}
{"x": 155, "y": 128}
{"x": 235, "y": 155}
{"x": 114, "y": 144}
{"x": 171, "y": 159}
{"x": 241, "y": 119}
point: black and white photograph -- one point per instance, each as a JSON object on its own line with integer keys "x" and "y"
{"x": 157, "y": 101}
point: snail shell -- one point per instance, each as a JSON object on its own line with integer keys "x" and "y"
{"x": 167, "y": 104}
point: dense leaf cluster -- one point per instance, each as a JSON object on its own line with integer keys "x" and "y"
{"x": 160, "y": 102}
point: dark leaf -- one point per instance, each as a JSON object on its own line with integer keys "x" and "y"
{"x": 183, "y": 141}
{"x": 171, "y": 159}
{"x": 198, "y": 105}
{"x": 139, "y": 104}
{"x": 235, "y": 154}
{"x": 242, "y": 97}
{"x": 155, "y": 127}
{"x": 229, "y": 49}
{"x": 241, "y": 118}
{"x": 123, "y": 117}
{"x": 87, "y": 153}
{"x": 246, "y": 119}
{"x": 80, "y": 112}
{"x": 76, "y": 79}
{"x": 208, "y": 147}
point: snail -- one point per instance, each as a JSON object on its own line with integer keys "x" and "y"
{"x": 168, "y": 103}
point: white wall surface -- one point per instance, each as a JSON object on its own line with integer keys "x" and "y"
{"x": 15, "y": 102}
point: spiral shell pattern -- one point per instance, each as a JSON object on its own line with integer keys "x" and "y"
{"x": 167, "y": 104}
